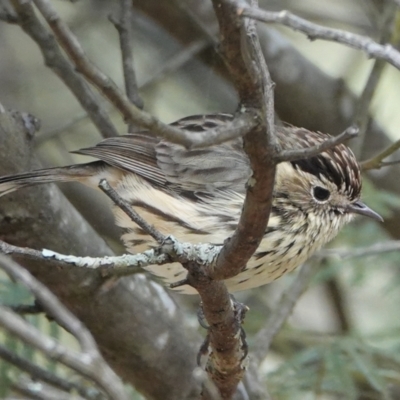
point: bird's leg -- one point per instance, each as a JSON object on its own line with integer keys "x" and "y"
{"x": 203, "y": 350}
{"x": 240, "y": 311}
{"x": 201, "y": 317}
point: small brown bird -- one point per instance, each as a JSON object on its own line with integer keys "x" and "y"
{"x": 197, "y": 195}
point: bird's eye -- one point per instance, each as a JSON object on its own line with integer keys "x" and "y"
{"x": 321, "y": 194}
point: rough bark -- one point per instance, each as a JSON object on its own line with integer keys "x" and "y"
{"x": 137, "y": 326}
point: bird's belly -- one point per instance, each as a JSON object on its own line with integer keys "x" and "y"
{"x": 266, "y": 265}
{"x": 281, "y": 250}
{"x": 258, "y": 272}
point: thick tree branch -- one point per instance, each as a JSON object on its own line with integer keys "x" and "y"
{"x": 40, "y": 217}
{"x": 240, "y": 48}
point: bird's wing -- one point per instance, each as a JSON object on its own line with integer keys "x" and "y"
{"x": 220, "y": 167}
{"x": 133, "y": 153}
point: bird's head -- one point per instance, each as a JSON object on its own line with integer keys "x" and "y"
{"x": 327, "y": 186}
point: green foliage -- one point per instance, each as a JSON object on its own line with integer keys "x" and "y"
{"x": 14, "y": 294}
{"x": 339, "y": 366}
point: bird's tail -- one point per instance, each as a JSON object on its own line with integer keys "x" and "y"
{"x": 81, "y": 172}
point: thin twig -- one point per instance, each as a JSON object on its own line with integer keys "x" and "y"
{"x": 338, "y": 301}
{"x": 238, "y": 127}
{"x": 177, "y": 61}
{"x": 81, "y": 363}
{"x": 132, "y": 214}
{"x": 124, "y": 265}
{"x": 55, "y": 60}
{"x": 24, "y": 309}
{"x": 118, "y": 266}
{"x": 362, "y": 116}
{"x": 89, "y": 362}
{"x": 377, "y": 162}
{"x": 38, "y": 373}
{"x": 59, "y": 129}
{"x": 196, "y": 20}
{"x": 373, "y": 250}
{"x": 292, "y": 155}
{"x": 36, "y": 390}
{"x": 51, "y": 304}
{"x": 314, "y": 31}
{"x": 171, "y": 251}
{"x": 173, "y": 64}
{"x": 389, "y": 163}
{"x": 124, "y": 28}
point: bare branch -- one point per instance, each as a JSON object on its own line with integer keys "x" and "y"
{"x": 377, "y": 162}
{"x": 55, "y": 60}
{"x": 89, "y": 362}
{"x": 238, "y": 127}
{"x": 314, "y": 31}
{"x": 241, "y": 50}
{"x": 178, "y": 60}
{"x": 124, "y": 265}
{"x": 292, "y": 155}
{"x": 127, "y": 264}
{"x": 375, "y": 249}
{"x": 124, "y": 28}
{"x": 193, "y": 18}
{"x": 70, "y": 124}
{"x": 132, "y": 214}
{"x": 41, "y": 391}
{"x": 38, "y": 373}
{"x": 362, "y": 116}
{"x": 24, "y": 309}
{"x": 338, "y": 300}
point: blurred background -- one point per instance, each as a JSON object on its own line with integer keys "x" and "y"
{"x": 343, "y": 338}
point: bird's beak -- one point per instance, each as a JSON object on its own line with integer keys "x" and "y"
{"x": 360, "y": 208}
